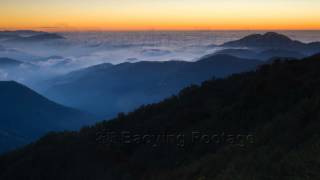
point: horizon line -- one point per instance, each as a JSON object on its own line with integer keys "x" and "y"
{"x": 146, "y": 30}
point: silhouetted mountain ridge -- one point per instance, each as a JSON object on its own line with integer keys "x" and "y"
{"x": 269, "y": 45}
{"x": 267, "y": 40}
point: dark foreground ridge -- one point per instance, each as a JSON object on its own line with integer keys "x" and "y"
{"x": 257, "y": 125}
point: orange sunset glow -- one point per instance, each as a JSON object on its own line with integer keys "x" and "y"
{"x": 64, "y": 15}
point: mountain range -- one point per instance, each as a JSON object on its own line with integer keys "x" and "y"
{"x": 262, "y": 124}
{"x": 107, "y": 89}
{"x": 25, "y": 116}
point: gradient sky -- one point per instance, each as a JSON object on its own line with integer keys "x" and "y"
{"x": 159, "y": 14}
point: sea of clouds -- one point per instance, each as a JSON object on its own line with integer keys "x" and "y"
{"x": 83, "y": 49}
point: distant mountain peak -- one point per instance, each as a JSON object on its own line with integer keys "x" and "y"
{"x": 268, "y": 35}
{"x": 274, "y": 40}
{"x": 275, "y": 36}
{"x": 269, "y": 39}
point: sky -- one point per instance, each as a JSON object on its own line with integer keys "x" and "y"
{"x": 64, "y": 15}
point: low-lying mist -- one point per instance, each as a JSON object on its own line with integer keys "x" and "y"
{"x": 45, "y": 56}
